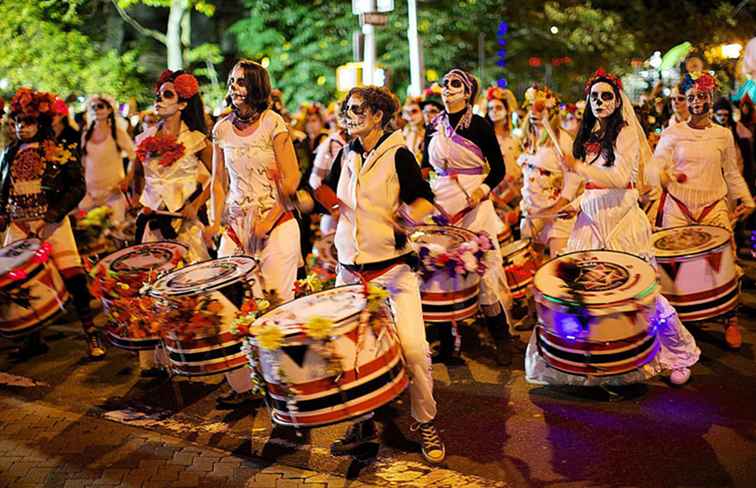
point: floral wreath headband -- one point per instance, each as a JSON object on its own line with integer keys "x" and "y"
{"x": 186, "y": 84}
{"x": 701, "y": 80}
{"x": 539, "y": 98}
{"x": 29, "y": 103}
{"x": 601, "y": 74}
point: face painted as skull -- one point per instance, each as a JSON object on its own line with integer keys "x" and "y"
{"x": 358, "y": 117}
{"x": 603, "y": 100}
{"x": 453, "y": 89}
{"x": 699, "y": 101}
{"x": 497, "y": 111}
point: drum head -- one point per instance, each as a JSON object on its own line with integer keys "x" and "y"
{"x": 514, "y": 247}
{"x": 204, "y": 277}
{"x": 338, "y": 304}
{"x": 688, "y": 240}
{"x": 447, "y": 237}
{"x": 143, "y": 258}
{"x": 603, "y": 277}
{"x": 17, "y": 254}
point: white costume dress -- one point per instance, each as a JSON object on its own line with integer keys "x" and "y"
{"x": 543, "y": 184}
{"x": 169, "y": 188}
{"x": 251, "y": 194}
{"x": 610, "y": 218}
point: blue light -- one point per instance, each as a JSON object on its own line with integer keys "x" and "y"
{"x": 567, "y": 325}
{"x": 501, "y": 63}
{"x": 502, "y": 42}
{"x": 501, "y": 53}
{"x": 501, "y": 83}
{"x": 503, "y": 28}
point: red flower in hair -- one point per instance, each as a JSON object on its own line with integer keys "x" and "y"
{"x": 30, "y": 103}
{"x": 706, "y": 82}
{"x": 186, "y": 86}
{"x": 164, "y": 76}
{"x": 601, "y": 73}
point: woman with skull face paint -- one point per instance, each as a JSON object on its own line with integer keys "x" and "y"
{"x": 546, "y": 188}
{"x": 465, "y": 154}
{"x": 414, "y": 131}
{"x": 254, "y": 156}
{"x": 696, "y": 164}
{"x": 374, "y": 180}
{"x": 181, "y": 188}
{"x": 500, "y": 114}
{"x": 610, "y": 152}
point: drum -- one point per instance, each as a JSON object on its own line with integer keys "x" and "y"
{"x": 32, "y": 292}
{"x": 197, "y": 305}
{"x": 595, "y": 310}
{"x": 128, "y": 313}
{"x": 325, "y": 252}
{"x": 505, "y": 236}
{"x": 697, "y": 270}
{"x": 357, "y": 368}
{"x": 520, "y": 264}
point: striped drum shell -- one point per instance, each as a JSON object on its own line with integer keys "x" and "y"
{"x": 32, "y": 292}
{"x": 211, "y": 351}
{"x": 697, "y": 270}
{"x": 357, "y": 369}
{"x": 135, "y": 262}
{"x": 607, "y": 328}
{"x": 520, "y": 264}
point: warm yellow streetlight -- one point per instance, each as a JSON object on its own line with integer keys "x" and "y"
{"x": 732, "y": 51}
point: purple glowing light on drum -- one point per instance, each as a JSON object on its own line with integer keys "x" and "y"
{"x": 567, "y": 326}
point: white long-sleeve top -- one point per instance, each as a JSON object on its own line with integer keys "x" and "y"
{"x": 708, "y": 159}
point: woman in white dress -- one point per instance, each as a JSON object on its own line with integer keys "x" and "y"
{"x": 609, "y": 153}
{"x": 253, "y": 151}
{"x": 501, "y": 103}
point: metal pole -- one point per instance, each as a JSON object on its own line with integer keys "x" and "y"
{"x": 416, "y": 78}
{"x": 481, "y": 56}
{"x": 368, "y": 67}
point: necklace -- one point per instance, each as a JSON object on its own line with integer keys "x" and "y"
{"x": 241, "y": 122}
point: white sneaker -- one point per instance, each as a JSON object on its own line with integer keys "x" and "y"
{"x": 679, "y": 376}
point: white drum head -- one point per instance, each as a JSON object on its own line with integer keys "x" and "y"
{"x": 448, "y": 237}
{"x": 204, "y": 277}
{"x": 603, "y": 277}
{"x": 337, "y": 304}
{"x": 688, "y": 240}
{"x": 17, "y": 254}
{"x": 143, "y": 258}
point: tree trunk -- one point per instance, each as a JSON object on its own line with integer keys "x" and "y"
{"x": 173, "y": 35}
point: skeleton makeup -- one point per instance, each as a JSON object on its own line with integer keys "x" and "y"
{"x": 699, "y": 101}
{"x": 456, "y": 86}
{"x": 237, "y": 87}
{"x": 412, "y": 114}
{"x": 603, "y": 100}
{"x": 167, "y": 100}
{"x": 497, "y": 111}
{"x": 360, "y": 120}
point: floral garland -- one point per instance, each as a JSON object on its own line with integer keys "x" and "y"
{"x": 163, "y": 147}
{"x": 540, "y": 98}
{"x": 186, "y": 317}
{"x": 466, "y": 258}
{"x": 701, "y": 80}
{"x": 599, "y": 74}
{"x": 30, "y": 103}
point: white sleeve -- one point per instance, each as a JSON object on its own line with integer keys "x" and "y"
{"x": 322, "y": 163}
{"x": 620, "y": 173}
{"x": 662, "y": 160}
{"x": 736, "y": 185}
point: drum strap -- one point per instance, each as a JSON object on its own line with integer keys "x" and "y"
{"x": 371, "y": 271}
{"x": 683, "y": 208}
{"x": 453, "y": 219}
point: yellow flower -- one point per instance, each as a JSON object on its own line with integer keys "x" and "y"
{"x": 319, "y": 327}
{"x": 263, "y": 305}
{"x": 269, "y": 337}
{"x": 377, "y": 295}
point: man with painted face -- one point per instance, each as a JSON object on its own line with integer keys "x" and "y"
{"x": 373, "y": 180}
{"x": 465, "y": 155}
{"x": 609, "y": 151}
{"x": 696, "y": 164}
{"x": 41, "y": 182}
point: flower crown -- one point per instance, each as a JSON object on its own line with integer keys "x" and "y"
{"x": 541, "y": 97}
{"x": 30, "y": 103}
{"x": 433, "y": 90}
{"x": 599, "y": 74}
{"x": 701, "y": 80}
{"x": 186, "y": 85}
{"x": 497, "y": 93}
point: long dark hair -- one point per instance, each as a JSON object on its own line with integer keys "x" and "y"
{"x": 614, "y": 125}
{"x": 258, "y": 85}
{"x": 90, "y": 129}
{"x": 193, "y": 114}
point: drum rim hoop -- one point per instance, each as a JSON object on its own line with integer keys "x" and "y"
{"x": 684, "y": 253}
{"x": 23, "y": 263}
{"x": 106, "y": 260}
{"x": 165, "y": 293}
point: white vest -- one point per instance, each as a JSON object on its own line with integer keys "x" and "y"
{"x": 370, "y": 192}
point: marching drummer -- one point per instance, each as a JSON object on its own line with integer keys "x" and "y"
{"x": 696, "y": 163}
{"x": 374, "y": 179}
{"x": 29, "y": 208}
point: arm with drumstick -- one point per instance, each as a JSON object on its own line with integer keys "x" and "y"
{"x": 562, "y": 207}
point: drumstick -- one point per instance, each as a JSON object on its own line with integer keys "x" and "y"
{"x": 552, "y": 136}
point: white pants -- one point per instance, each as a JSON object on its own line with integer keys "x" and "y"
{"x": 408, "y": 316}
{"x": 279, "y": 259}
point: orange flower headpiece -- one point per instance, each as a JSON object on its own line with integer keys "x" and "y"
{"x": 186, "y": 84}
{"x": 29, "y": 103}
{"x": 539, "y": 98}
{"x": 599, "y": 74}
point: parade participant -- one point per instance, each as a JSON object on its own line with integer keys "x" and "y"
{"x": 696, "y": 164}
{"x": 176, "y": 183}
{"x": 465, "y": 155}
{"x": 500, "y": 115}
{"x": 324, "y": 157}
{"x": 315, "y": 134}
{"x": 102, "y": 147}
{"x": 679, "y": 105}
{"x": 742, "y": 136}
{"x": 414, "y": 131}
{"x": 431, "y": 104}
{"x": 373, "y": 180}
{"x": 253, "y": 149}
{"x": 546, "y": 189}
{"x": 65, "y": 134}
{"x": 610, "y": 152}
{"x": 41, "y": 182}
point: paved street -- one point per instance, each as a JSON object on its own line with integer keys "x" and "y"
{"x": 67, "y": 422}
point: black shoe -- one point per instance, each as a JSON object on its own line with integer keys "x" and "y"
{"x": 235, "y": 399}
{"x": 29, "y": 349}
{"x": 153, "y": 373}
{"x": 358, "y": 435}
{"x": 432, "y": 446}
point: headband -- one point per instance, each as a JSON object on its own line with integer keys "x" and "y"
{"x": 601, "y": 74}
